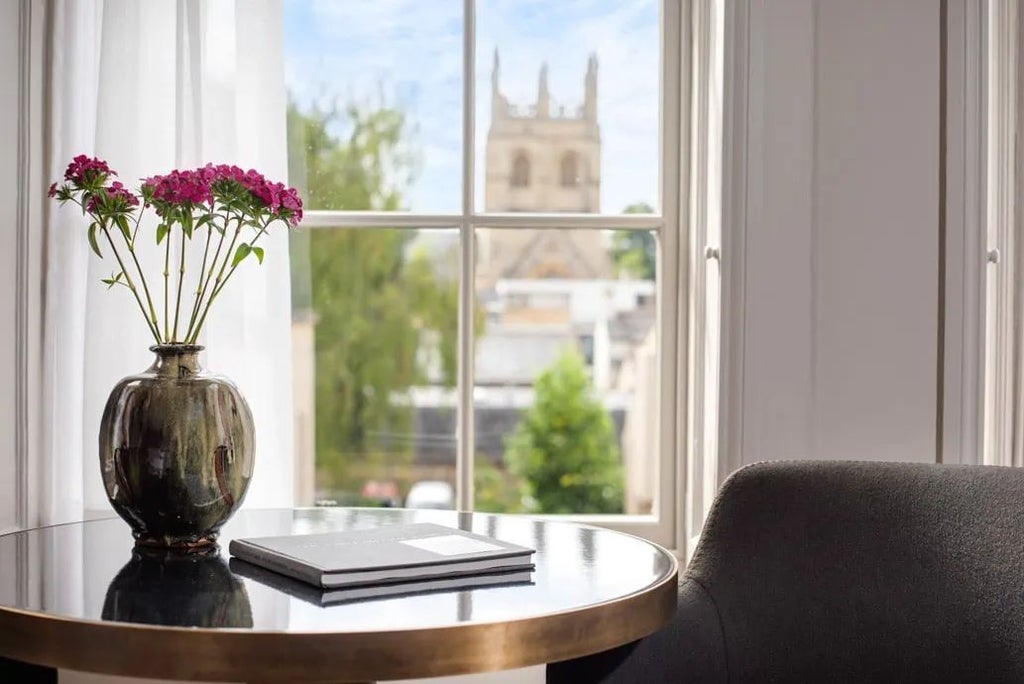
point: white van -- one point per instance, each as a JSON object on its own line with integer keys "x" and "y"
{"x": 431, "y": 494}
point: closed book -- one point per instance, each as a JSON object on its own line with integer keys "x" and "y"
{"x": 327, "y": 597}
{"x": 398, "y": 553}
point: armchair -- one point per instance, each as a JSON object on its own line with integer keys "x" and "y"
{"x": 844, "y": 571}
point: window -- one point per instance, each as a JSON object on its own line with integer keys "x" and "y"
{"x": 520, "y": 177}
{"x": 443, "y": 326}
{"x": 570, "y": 170}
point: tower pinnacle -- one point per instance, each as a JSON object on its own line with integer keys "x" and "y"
{"x": 495, "y": 73}
{"x": 590, "y": 90}
{"x": 498, "y": 104}
{"x": 543, "y": 95}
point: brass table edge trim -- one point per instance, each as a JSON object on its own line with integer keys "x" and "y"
{"x": 235, "y": 654}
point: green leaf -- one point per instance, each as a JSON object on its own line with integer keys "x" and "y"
{"x": 92, "y": 239}
{"x": 204, "y": 220}
{"x": 161, "y": 232}
{"x": 243, "y": 251}
{"x": 258, "y": 251}
{"x": 122, "y": 222}
{"x": 113, "y": 280}
{"x": 186, "y": 225}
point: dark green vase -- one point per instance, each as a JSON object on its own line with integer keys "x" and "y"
{"x": 176, "y": 450}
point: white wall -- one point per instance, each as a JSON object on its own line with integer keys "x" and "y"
{"x": 837, "y": 302}
{"x": 9, "y": 104}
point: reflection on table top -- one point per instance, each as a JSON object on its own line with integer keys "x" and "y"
{"x": 78, "y": 596}
{"x": 87, "y": 571}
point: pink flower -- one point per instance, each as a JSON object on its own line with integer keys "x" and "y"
{"x": 52, "y": 192}
{"x": 280, "y": 201}
{"x": 116, "y": 197}
{"x": 83, "y": 170}
{"x": 182, "y": 187}
{"x": 118, "y": 191}
{"x": 292, "y": 203}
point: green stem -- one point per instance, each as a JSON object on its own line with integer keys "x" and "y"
{"x": 216, "y": 282}
{"x": 190, "y": 339}
{"x": 138, "y": 220}
{"x": 199, "y": 287}
{"x": 145, "y": 287}
{"x": 218, "y": 288}
{"x": 131, "y": 286}
{"x": 228, "y": 276}
{"x": 181, "y": 278}
{"x": 167, "y": 282}
{"x": 151, "y": 320}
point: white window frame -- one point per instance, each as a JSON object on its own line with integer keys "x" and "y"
{"x": 1003, "y": 372}
{"x": 664, "y": 525}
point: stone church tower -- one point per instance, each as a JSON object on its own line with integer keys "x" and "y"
{"x": 545, "y": 159}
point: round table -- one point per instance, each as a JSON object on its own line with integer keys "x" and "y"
{"x": 79, "y": 598}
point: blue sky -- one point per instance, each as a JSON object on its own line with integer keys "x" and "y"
{"x": 408, "y": 53}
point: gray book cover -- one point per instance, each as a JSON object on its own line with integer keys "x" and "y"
{"x": 365, "y": 592}
{"x": 398, "y": 553}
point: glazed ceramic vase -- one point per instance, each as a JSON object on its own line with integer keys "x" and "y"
{"x": 176, "y": 450}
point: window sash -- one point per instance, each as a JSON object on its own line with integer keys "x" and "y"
{"x": 663, "y": 525}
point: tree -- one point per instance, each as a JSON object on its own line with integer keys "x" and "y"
{"x": 373, "y": 299}
{"x": 495, "y": 490}
{"x": 635, "y": 251}
{"x": 565, "y": 446}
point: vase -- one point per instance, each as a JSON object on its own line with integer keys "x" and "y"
{"x": 176, "y": 450}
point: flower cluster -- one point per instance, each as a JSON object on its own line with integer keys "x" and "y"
{"x": 180, "y": 188}
{"x": 207, "y": 184}
{"x": 85, "y": 170}
{"x": 230, "y": 207}
{"x": 113, "y": 199}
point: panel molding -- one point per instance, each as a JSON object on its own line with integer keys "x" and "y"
{"x": 940, "y": 399}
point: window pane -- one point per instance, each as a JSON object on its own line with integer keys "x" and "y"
{"x": 567, "y": 105}
{"x": 375, "y": 315}
{"x": 566, "y": 371}
{"x": 378, "y": 84}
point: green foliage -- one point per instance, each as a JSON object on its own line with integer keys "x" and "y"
{"x": 373, "y": 299}
{"x": 635, "y": 251}
{"x": 367, "y": 169}
{"x": 497, "y": 491}
{"x": 565, "y": 445}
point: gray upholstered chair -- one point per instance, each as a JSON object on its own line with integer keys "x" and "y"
{"x": 835, "y": 571}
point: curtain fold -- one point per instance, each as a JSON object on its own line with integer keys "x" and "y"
{"x": 151, "y": 86}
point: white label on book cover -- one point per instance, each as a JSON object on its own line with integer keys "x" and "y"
{"x": 450, "y": 545}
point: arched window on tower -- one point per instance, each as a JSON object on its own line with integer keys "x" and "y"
{"x": 520, "y": 171}
{"x": 570, "y": 170}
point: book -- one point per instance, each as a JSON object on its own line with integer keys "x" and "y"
{"x": 327, "y": 597}
{"x": 397, "y": 553}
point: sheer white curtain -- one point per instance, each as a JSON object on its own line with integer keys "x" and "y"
{"x": 150, "y": 86}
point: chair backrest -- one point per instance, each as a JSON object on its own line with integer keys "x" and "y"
{"x": 849, "y": 571}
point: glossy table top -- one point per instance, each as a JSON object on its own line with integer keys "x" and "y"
{"x": 85, "y": 579}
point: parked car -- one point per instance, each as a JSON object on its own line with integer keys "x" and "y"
{"x": 381, "y": 493}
